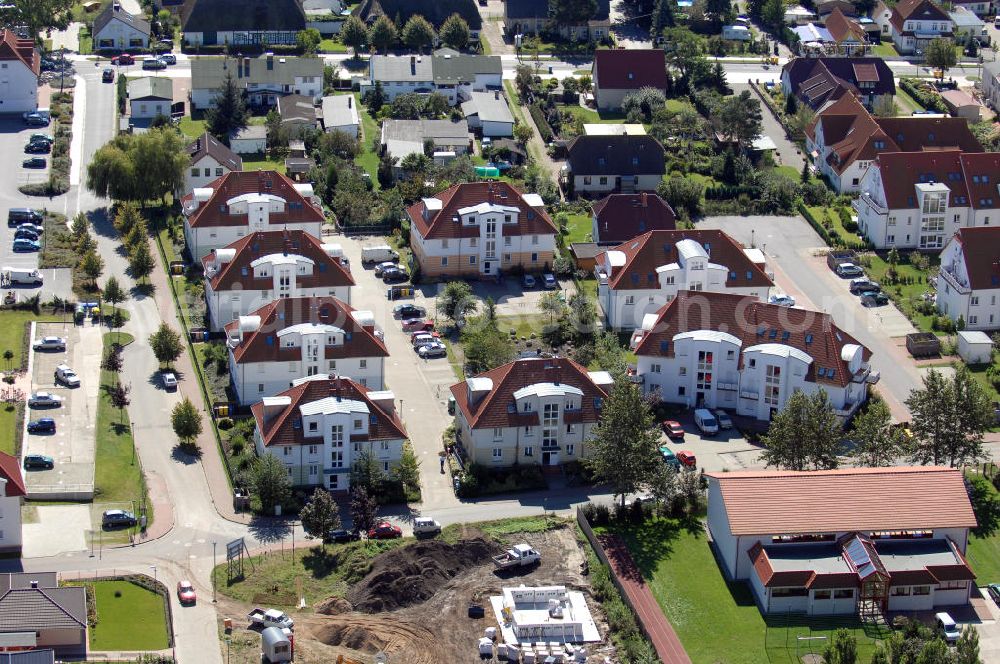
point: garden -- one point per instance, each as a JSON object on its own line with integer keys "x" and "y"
{"x": 127, "y": 614}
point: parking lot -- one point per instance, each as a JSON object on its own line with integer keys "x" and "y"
{"x": 726, "y": 450}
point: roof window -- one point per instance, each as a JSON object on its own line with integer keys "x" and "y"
{"x": 772, "y": 334}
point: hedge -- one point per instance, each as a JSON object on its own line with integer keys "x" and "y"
{"x": 929, "y": 100}
{"x": 543, "y": 125}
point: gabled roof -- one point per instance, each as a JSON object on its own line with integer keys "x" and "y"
{"x": 630, "y": 69}
{"x": 387, "y": 68}
{"x": 853, "y": 499}
{"x": 971, "y": 178}
{"x": 981, "y": 251}
{"x": 281, "y": 429}
{"x": 421, "y": 130}
{"x": 439, "y": 223}
{"x": 539, "y": 9}
{"x": 10, "y": 470}
{"x": 43, "y": 608}
{"x": 916, "y": 10}
{"x": 827, "y": 6}
{"x": 114, "y": 11}
{"x": 816, "y": 80}
{"x": 645, "y": 253}
{"x": 340, "y": 111}
{"x": 454, "y": 68}
{"x": 842, "y": 28}
{"x": 13, "y": 47}
{"x": 495, "y": 408}
{"x": 328, "y": 272}
{"x": 616, "y": 155}
{"x": 208, "y": 145}
{"x": 489, "y": 107}
{"x": 297, "y": 108}
{"x": 298, "y": 209}
{"x": 753, "y": 323}
{"x": 621, "y": 217}
{"x": 209, "y": 72}
{"x": 151, "y": 87}
{"x": 243, "y": 16}
{"x": 435, "y": 11}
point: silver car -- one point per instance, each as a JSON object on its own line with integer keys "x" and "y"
{"x": 44, "y": 400}
{"x": 50, "y": 343}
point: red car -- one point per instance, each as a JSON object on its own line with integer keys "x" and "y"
{"x": 686, "y": 458}
{"x": 123, "y": 59}
{"x": 673, "y": 429}
{"x": 413, "y": 335}
{"x": 417, "y": 325}
{"x": 385, "y": 530}
{"x": 185, "y": 592}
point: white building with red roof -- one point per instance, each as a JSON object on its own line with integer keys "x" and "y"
{"x": 21, "y": 66}
{"x": 481, "y": 229}
{"x": 913, "y": 24}
{"x": 289, "y": 338}
{"x": 12, "y": 493}
{"x": 717, "y": 350}
{"x": 270, "y": 265}
{"x": 638, "y": 277}
{"x": 323, "y": 424}
{"x": 858, "y": 541}
{"x": 618, "y": 72}
{"x": 969, "y": 280}
{"x": 530, "y": 411}
{"x": 243, "y": 202}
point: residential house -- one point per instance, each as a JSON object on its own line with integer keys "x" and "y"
{"x": 400, "y": 75}
{"x": 21, "y": 65}
{"x": 210, "y": 159}
{"x": 798, "y": 15}
{"x": 825, "y": 7}
{"x": 969, "y": 26}
{"x": 115, "y": 28}
{"x": 268, "y": 265}
{"x": 252, "y": 139}
{"x": 239, "y": 23}
{"x": 844, "y": 139}
{"x": 847, "y": 33}
{"x": 298, "y": 114}
{"x": 968, "y": 285}
{"x": 621, "y": 217}
{"x": 736, "y": 33}
{"x": 722, "y": 350}
{"x": 405, "y": 137}
{"x": 149, "y": 97}
{"x": 601, "y": 165}
{"x": 815, "y": 81}
{"x": 12, "y": 493}
{"x": 977, "y": 7}
{"x": 262, "y": 79}
{"x": 963, "y": 105}
{"x": 913, "y": 24}
{"x": 618, "y": 72}
{"x": 531, "y": 17}
{"x": 991, "y": 83}
{"x": 320, "y": 427}
{"x": 538, "y": 411}
{"x": 39, "y": 613}
{"x": 435, "y": 11}
{"x": 640, "y": 276}
{"x": 290, "y": 338}
{"x": 612, "y": 129}
{"x": 481, "y": 229}
{"x": 488, "y": 112}
{"x": 245, "y": 202}
{"x": 919, "y": 200}
{"x": 855, "y": 542}
{"x": 340, "y": 113}
{"x": 448, "y": 72}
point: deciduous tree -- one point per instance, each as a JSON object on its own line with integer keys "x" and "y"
{"x": 38, "y": 15}
{"x": 486, "y": 347}
{"x": 354, "y": 34}
{"x": 877, "y": 442}
{"x": 455, "y": 301}
{"x": 140, "y": 261}
{"x": 364, "y": 509}
{"x": 407, "y": 471}
{"x": 418, "y": 33}
{"x": 940, "y": 54}
{"x": 455, "y": 32}
{"x": 949, "y": 418}
{"x": 382, "y": 35}
{"x": 92, "y": 265}
{"x": 185, "y": 419}
{"x": 843, "y": 649}
{"x": 804, "y": 435}
{"x": 320, "y": 515}
{"x": 166, "y": 344}
{"x": 118, "y": 394}
{"x": 269, "y": 481}
{"x": 308, "y": 40}
{"x": 139, "y": 167}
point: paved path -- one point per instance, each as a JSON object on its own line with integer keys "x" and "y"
{"x": 788, "y": 153}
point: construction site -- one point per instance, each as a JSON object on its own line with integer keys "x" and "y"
{"x": 428, "y": 601}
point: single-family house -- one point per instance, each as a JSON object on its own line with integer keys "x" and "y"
{"x": 448, "y": 72}
{"x": 290, "y": 338}
{"x": 12, "y": 493}
{"x": 298, "y": 114}
{"x": 537, "y": 411}
{"x": 617, "y": 218}
{"x": 722, "y": 350}
{"x": 237, "y": 23}
{"x": 435, "y": 11}
{"x": 978, "y": 7}
{"x": 115, "y": 28}
{"x": 481, "y": 229}
{"x": 149, "y": 97}
{"x": 340, "y": 113}
{"x": 641, "y": 275}
{"x": 617, "y": 72}
{"x": 919, "y": 200}
{"x": 968, "y": 25}
{"x": 849, "y": 36}
{"x": 21, "y": 65}
{"x": 825, "y": 7}
{"x": 814, "y": 40}
{"x": 856, "y": 541}
{"x": 815, "y": 81}
{"x": 488, "y": 112}
{"x": 262, "y": 79}
{"x": 404, "y": 137}
{"x": 798, "y": 15}
{"x": 912, "y": 24}
{"x": 245, "y": 202}
{"x": 969, "y": 279}
{"x": 210, "y": 159}
{"x": 267, "y": 265}
{"x": 613, "y": 129}
{"x": 39, "y": 613}
{"x": 320, "y": 427}
{"x": 601, "y": 165}
{"x": 991, "y": 83}
{"x": 531, "y": 17}
{"x": 252, "y": 139}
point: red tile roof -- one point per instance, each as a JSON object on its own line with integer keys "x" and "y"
{"x": 630, "y": 69}
{"x": 852, "y": 499}
{"x": 981, "y": 251}
{"x": 818, "y": 80}
{"x": 650, "y": 250}
{"x": 285, "y": 312}
{"x": 918, "y": 10}
{"x": 281, "y": 429}
{"x": 329, "y": 272}
{"x": 972, "y": 178}
{"x": 492, "y": 409}
{"x": 441, "y": 224}
{"x": 621, "y": 217}
{"x": 298, "y": 209}
{"x": 10, "y": 470}
{"x": 13, "y": 47}
{"x": 982, "y": 179}
{"x": 842, "y": 28}
{"x": 754, "y": 322}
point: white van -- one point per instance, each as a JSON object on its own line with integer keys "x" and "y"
{"x": 706, "y": 422}
{"x": 947, "y": 626}
{"x": 379, "y": 253}
{"x": 16, "y": 276}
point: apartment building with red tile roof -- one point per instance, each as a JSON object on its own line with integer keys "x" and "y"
{"x": 969, "y": 278}
{"x": 22, "y": 65}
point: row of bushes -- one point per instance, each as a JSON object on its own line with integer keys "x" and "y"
{"x": 61, "y": 112}
{"x": 928, "y": 99}
{"x": 543, "y": 125}
{"x": 479, "y": 480}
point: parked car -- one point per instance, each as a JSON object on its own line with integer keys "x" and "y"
{"x": 385, "y": 530}
{"x": 863, "y": 285}
{"x": 168, "y": 58}
{"x": 67, "y": 376}
{"x": 44, "y": 400}
{"x": 24, "y": 245}
{"x": 153, "y": 64}
{"x": 108, "y": 75}
{"x": 874, "y": 300}
{"x": 415, "y": 324}
{"x": 433, "y": 349}
{"x": 30, "y": 228}
{"x": 994, "y": 591}
{"x": 528, "y": 281}
{"x": 394, "y": 274}
{"x": 422, "y": 338}
{"x": 118, "y": 519}
{"x": 673, "y": 429}
{"x": 38, "y": 147}
{"x": 848, "y": 271}
{"x": 782, "y": 300}
{"x": 669, "y": 457}
{"x": 947, "y": 626}
{"x": 34, "y": 162}
{"x": 169, "y": 380}
{"x": 549, "y": 281}
{"x": 42, "y": 425}
{"x": 382, "y": 267}
{"x": 706, "y": 422}
{"x": 123, "y": 59}
{"x": 26, "y": 234}
{"x": 186, "y": 593}
{"x": 687, "y": 458}
{"x": 408, "y": 311}
{"x": 425, "y": 525}
{"x": 36, "y": 120}
{"x": 32, "y": 461}
{"x": 20, "y": 216}
{"x": 341, "y": 536}
{"x": 39, "y": 137}
{"x": 50, "y": 343}
{"x": 724, "y": 420}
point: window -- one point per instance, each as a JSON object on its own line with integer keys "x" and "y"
{"x": 529, "y": 451}
{"x": 497, "y": 453}
{"x": 444, "y": 261}
{"x": 901, "y": 591}
{"x": 529, "y": 432}
{"x": 363, "y": 364}
{"x": 730, "y": 354}
{"x": 534, "y": 239}
{"x": 194, "y": 171}
{"x": 218, "y": 172}
{"x": 260, "y": 387}
{"x": 789, "y": 592}
{"x": 336, "y": 459}
{"x": 953, "y": 585}
{"x": 822, "y": 594}
{"x": 287, "y": 450}
{"x": 604, "y": 179}
{"x": 313, "y": 470}
{"x": 843, "y": 593}
{"x": 570, "y": 428}
{"x": 681, "y": 391}
{"x": 313, "y": 449}
{"x": 629, "y": 300}
{"x": 497, "y": 433}
{"x": 358, "y": 424}
{"x": 337, "y": 435}
{"x": 586, "y": 179}
{"x": 921, "y": 590}
{"x": 385, "y": 466}
{"x": 772, "y": 383}
{"x": 655, "y": 368}
{"x": 384, "y": 446}
{"x": 472, "y": 260}
{"x": 974, "y": 300}
{"x": 570, "y": 449}
{"x": 314, "y": 426}
{"x": 534, "y": 258}
{"x": 682, "y": 371}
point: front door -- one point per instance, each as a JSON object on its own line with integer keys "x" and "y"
{"x": 487, "y": 267}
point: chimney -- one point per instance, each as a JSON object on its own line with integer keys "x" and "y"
{"x": 644, "y": 203}
{"x": 273, "y": 408}
{"x": 34, "y": 584}
{"x": 270, "y": 61}
{"x": 335, "y": 387}
{"x": 413, "y": 65}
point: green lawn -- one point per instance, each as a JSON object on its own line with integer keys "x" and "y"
{"x": 367, "y": 159}
{"x": 831, "y": 213}
{"x": 8, "y": 433}
{"x": 590, "y": 116}
{"x": 86, "y": 42}
{"x": 717, "y": 621}
{"x": 979, "y": 373}
{"x": 12, "y": 331}
{"x": 332, "y": 46}
{"x": 984, "y": 556}
{"x": 525, "y": 325}
{"x": 588, "y": 287}
{"x": 885, "y": 50}
{"x": 580, "y": 227}
{"x": 907, "y": 104}
{"x": 901, "y": 294}
{"x": 191, "y": 127}
{"x": 135, "y": 620}
{"x": 264, "y": 164}
{"x": 515, "y": 102}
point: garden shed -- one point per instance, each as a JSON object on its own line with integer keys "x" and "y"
{"x": 975, "y": 347}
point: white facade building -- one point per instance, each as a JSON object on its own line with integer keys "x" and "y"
{"x": 210, "y": 160}
{"x": 20, "y": 65}
{"x": 913, "y": 24}
{"x": 969, "y": 279}
{"x": 447, "y": 72}
{"x": 12, "y": 493}
{"x": 262, "y": 79}
{"x": 115, "y": 28}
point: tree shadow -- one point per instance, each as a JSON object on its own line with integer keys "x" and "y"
{"x": 186, "y": 454}
{"x": 141, "y": 291}
{"x": 321, "y": 561}
{"x": 268, "y": 530}
{"x": 100, "y": 220}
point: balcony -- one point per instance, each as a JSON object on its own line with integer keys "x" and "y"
{"x": 871, "y": 202}
{"x": 949, "y": 274}
{"x": 749, "y": 394}
{"x": 729, "y": 387}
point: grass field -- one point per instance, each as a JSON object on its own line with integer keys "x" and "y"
{"x": 885, "y": 51}
{"x": 332, "y": 46}
{"x": 191, "y": 127}
{"x": 135, "y": 620}
{"x": 263, "y": 164}
{"x": 8, "y": 434}
{"x": 12, "y": 330}
{"x": 580, "y": 226}
{"x": 367, "y": 158}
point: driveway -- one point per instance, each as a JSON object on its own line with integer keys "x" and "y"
{"x": 492, "y": 31}
{"x": 55, "y": 530}
{"x": 788, "y": 153}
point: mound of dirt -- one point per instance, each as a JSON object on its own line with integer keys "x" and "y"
{"x": 334, "y": 606}
{"x": 412, "y": 574}
{"x": 414, "y": 643}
